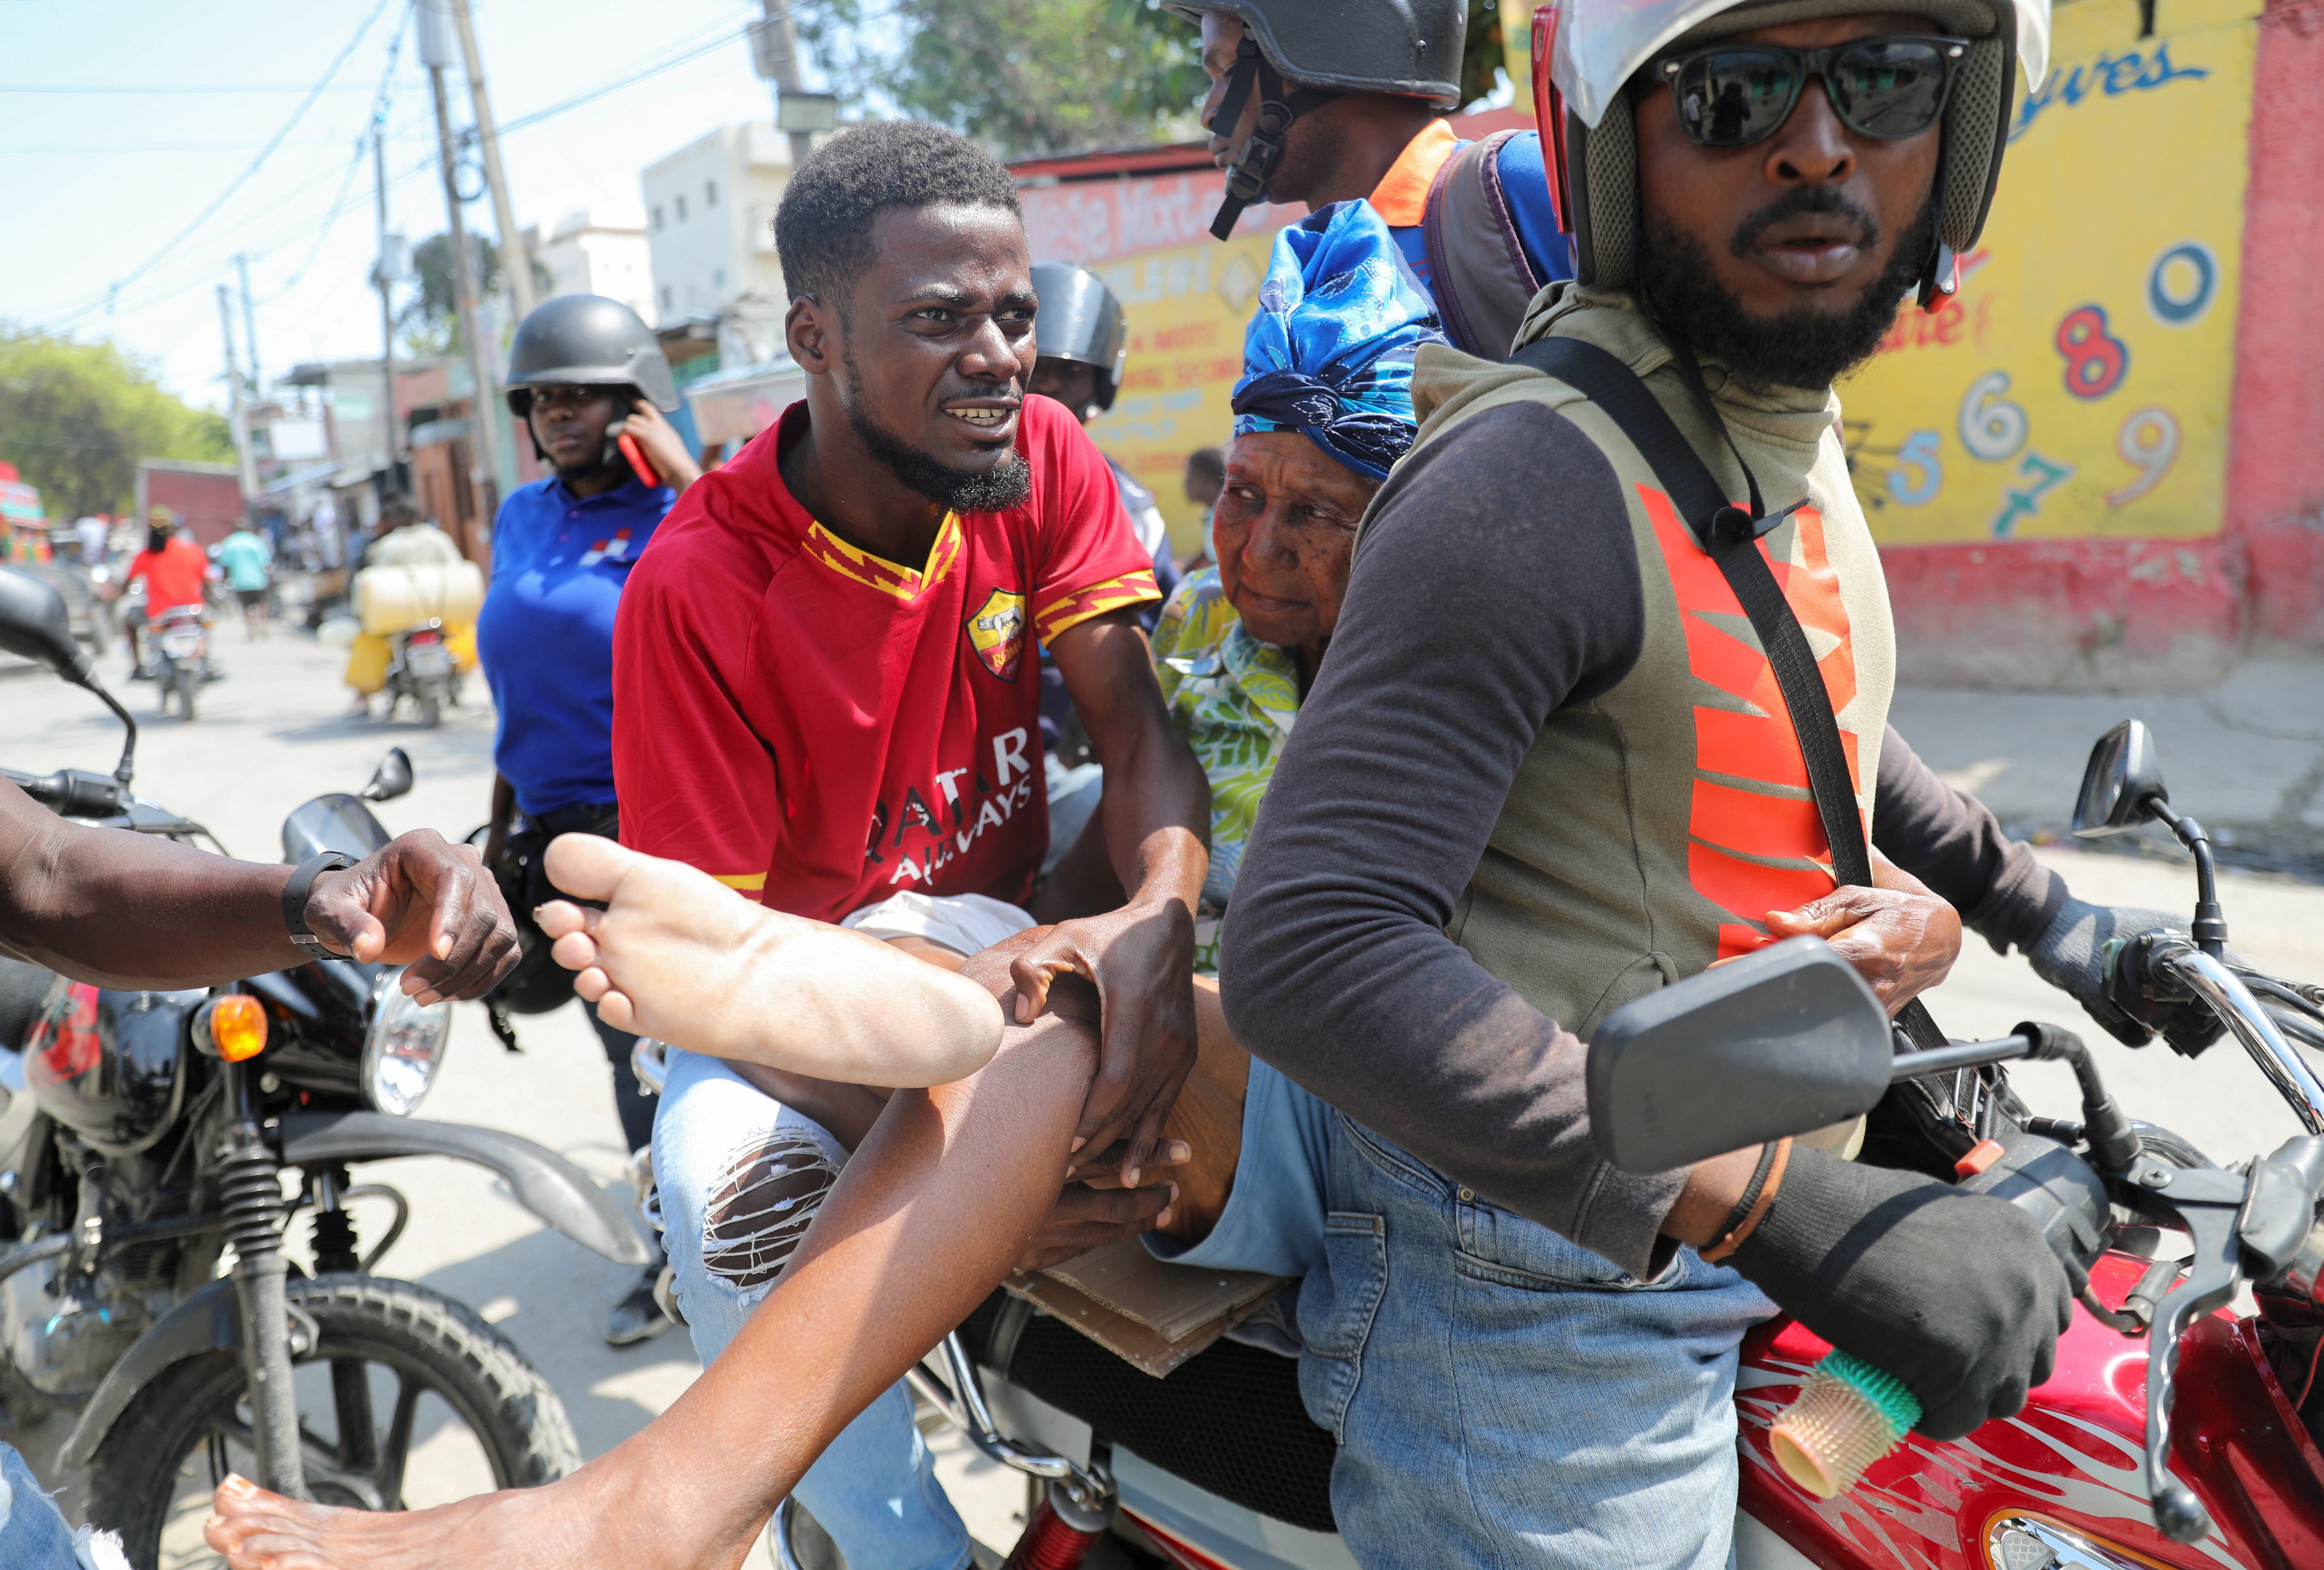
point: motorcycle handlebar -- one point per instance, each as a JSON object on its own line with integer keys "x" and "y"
{"x": 71, "y": 793}
{"x": 2252, "y": 1025}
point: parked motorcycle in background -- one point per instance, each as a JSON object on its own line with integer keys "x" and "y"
{"x": 422, "y": 669}
{"x": 180, "y": 653}
{"x": 1217, "y": 1466}
{"x": 143, "y": 1144}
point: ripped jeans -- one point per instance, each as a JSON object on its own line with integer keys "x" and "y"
{"x": 741, "y": 1176}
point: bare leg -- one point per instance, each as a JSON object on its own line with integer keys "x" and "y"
{"x": 949, "y": 1188}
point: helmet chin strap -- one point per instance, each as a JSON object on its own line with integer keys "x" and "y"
{"x": 1247, "y": 180}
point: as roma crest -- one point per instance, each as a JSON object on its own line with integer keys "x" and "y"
{"x": 997, "y": 631}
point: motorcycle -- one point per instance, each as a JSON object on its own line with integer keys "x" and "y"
{"x": 421, "y": 668}
{"x": 1218, "y": 1467}
{"x": 144, "y": 1141}
{"x": 181, "y": 654}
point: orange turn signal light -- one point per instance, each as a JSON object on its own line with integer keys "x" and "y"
{"x": 237, "y": 1026}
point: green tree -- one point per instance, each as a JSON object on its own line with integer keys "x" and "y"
{"x": 1020, "y": 76}
{"x": 76, "y": 417}
{"x": 428, "y": 325}
{"x": 1481, "y": 60}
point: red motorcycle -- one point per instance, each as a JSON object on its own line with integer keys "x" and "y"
{"x": 1217, "y": 1466}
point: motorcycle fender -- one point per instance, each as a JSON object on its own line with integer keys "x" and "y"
{"x": 208, "y": 1321}
{"x": 544, "y": 1182}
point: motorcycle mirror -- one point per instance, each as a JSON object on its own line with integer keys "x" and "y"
{"x": 1779, "y": 1042}
{"x": 391, "y": 778}
{"x": 35, "y": 624}
{"x": 2121, "y": 784}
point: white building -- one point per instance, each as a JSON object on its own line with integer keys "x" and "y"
{"x": 710, "y": 225}
{"x": 598, "y": 251}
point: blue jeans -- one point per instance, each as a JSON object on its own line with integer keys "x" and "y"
{"x": 740, "y": 1175}
{"x": 32, "y": 1533}
{"x": 1502, "y": 1397}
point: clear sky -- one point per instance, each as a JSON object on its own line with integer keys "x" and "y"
{"x": 92, "y": 185}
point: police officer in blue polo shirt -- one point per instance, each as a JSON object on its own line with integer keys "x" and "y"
{"x": 590, "y": 382}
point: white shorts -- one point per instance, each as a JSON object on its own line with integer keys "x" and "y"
{"x": 963, "y": 923}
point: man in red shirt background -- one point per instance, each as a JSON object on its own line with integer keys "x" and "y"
{"x": 174, "y": 569}
{"x": 825, "y": 694}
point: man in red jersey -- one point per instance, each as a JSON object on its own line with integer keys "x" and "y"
{"x": 826, "y": 695}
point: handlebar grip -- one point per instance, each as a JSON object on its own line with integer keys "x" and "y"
{"x": 1848, "y": 1415}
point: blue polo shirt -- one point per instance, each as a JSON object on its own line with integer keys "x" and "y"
{"x": 545, "y": 636}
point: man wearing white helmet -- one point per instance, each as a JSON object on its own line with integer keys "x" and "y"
{"x": 1547, "y": 768}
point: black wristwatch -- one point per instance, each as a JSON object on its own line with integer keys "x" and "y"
{"x": 294, "y": 901}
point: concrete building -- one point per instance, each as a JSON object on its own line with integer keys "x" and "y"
{"x": 598, "y": 251}
{"x": 710, "y": 216}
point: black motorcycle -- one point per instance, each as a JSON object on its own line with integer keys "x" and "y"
{"x": 142, "y": 1212}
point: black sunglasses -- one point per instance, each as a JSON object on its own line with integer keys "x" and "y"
{"x": 1731, "y": 95}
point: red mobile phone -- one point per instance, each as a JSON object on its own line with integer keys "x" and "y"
{"x": 639, "y": 463}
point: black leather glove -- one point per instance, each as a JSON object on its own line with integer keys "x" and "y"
{"x": 2071, "y": 956}
{"x": 1958, "y": 1294}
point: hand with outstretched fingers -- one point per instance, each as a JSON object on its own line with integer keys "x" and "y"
{"x": 423, "y": 903}
{"x": 1901, "y": 938}
{"x": 1141, "y": 958}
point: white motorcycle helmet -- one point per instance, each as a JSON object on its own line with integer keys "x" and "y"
{"x": 1596, "y": 47}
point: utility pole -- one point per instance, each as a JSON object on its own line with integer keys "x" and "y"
{"x": 516, "y": 260}
{"x": 388, "y": 425}
{"x": 236, "y": 411}
{"x": 483, "y": 424}
{"x": 775, "y": 51}
{"x": 250, "y": 328}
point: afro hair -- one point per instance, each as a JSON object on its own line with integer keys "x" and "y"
{"x": 823, "y": 229}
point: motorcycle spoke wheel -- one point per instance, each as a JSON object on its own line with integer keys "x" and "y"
{"x": 409, "y": 1401}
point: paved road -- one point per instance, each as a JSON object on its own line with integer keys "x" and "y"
{"x": 274, "y": 735}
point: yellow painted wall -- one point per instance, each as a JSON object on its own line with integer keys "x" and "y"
{"x": 2078, "y": 383}
{"x": 1187, "y": 307}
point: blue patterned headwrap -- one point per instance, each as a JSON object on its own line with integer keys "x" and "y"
{"x": 1330, "y": 352}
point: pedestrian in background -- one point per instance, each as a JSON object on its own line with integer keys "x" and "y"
{"x": 1205, "y": 483}
{"x": 248, "y": 561}
{"x": 584, "y": 372}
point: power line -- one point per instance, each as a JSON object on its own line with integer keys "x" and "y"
{"x": 239, "y": 181}
{"x": 538, "y": 116}
{"x": 175, "y": 88}
{"x": 347, "y": 182}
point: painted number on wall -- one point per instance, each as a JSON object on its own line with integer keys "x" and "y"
{"x": 2024, "y": 500}
{"x": 1992, "y": 428}
{"x": 1918, "y": 475}
{"x": 2180, "y": 287}
{"x": 2148, "y": 442}
{"x": 2096, "y": 361}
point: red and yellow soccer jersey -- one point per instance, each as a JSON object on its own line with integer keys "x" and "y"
{"x": 821, "y": 728}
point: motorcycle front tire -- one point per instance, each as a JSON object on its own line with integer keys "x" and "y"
{"x": 164, "y": 1440}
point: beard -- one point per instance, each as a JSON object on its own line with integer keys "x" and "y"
{"x": 1801, "y": 347}
{"x": 998, "y": 489}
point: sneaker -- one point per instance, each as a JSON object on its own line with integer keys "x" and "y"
{"x": 638, "y": 1316}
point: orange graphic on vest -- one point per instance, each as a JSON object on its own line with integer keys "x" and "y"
{"x": 1755, "y": 841}
{"x": 996, "y": 629}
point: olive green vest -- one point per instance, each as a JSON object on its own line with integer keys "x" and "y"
{"x": 1647, "y": 831}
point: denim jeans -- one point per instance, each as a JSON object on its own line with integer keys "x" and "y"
{"x": 1502, "y": 1397}
{"x": 32, "y": 1532}
{"x": 875, "y": 1488}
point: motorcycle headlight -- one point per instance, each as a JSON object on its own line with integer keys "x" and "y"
{"x": 403, "y": 1047}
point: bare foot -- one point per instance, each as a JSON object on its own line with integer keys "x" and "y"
{"x": 571, "y": 1525}
{"x": 678, "y": 955}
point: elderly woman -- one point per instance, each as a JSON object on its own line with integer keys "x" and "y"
{"x": 1323, "y": 410}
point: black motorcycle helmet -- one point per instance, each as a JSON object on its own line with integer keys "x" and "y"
{"x": 586, "y": 340}
{"x": 1080, "y": 321}
{"x": 1301, "y": 54}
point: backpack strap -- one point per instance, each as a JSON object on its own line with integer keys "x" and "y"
{"x": 1730, "y": 536}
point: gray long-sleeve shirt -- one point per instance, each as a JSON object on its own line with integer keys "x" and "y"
{"x": 1473, "y": 612}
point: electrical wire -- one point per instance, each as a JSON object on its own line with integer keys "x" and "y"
{"x": 363, "y": 146}
{"x": 239, "y": 181}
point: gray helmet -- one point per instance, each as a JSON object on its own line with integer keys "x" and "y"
{"x": 1080, "y": 321}
{"x": 586, "y": 340}
{"x": 1300, "y": 54}
{"x": 1355, "y": 46}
